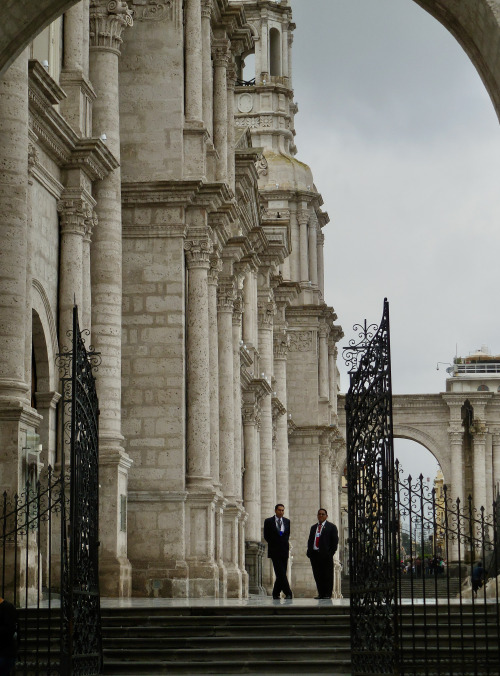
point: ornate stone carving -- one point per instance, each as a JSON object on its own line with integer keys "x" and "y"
{"x": 198, "y": 253}
{"x": 150, "y": 10}
{"x": 108, "y": 19}
{"x": 266, "y": 121}
{"x": 225, "y": 298}
{"x": 245, "y": 103}
{"x": 302, "y": 217}
{"x": 266, "y": 312}
{"x": 91, "y": 222}
{"x": 74, "y": 212}
{"x": 281, "y": 344}
{"x": 261, "y": 166}
{"x": 238, "y": 308}
{"x": 215, "y": 269}
{"x": 206, "y": 9}
{"x": 221, "y": 53}
{"x": 300, "y": 341}
{"x": 32, "y": 157}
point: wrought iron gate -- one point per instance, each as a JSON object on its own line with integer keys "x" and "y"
{"x": 371, "y": 509}
{"x": 49, "y": 537}
{"x": 419, "y": 602}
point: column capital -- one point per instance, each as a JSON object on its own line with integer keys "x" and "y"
{"x": 250, "y": 414}
{"x": 302, "y": 217}
{"x": 325, "y": 455}
{"x": 231, "y": 75}
{"x": 281, "y": 344}
{"x": 75, "y": 212}
{"x": 33, "y": 158}
{"x": 215, "y": 269}
{"x": 266, "y": 311}
{"x": 323, "y": 331}
{"x": 238, "y": 308}
{"x": 108, "y": 19}
{"x": 198, "y": 253}
{"x": 90, "y": 223}
{"x": 455, "y": 435}
{"x": 225, "y": 297}
{"x": 478, "y": 430}
{"x": 206, "y": 9}
{"x": 221, "y": 52}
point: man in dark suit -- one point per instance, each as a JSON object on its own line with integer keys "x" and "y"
{"x": 321, "y": 546}
{"x": 277, "y": 535}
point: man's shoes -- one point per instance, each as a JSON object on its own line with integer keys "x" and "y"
{"x": 318, "y": 597}
{"x": 325, "y": 597}
{"x": 289, "y": 596}
{"x": 276, "y": 598}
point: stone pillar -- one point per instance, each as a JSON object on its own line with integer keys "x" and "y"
{"x": 290, "y": 42}
{"x": 249, "y": 310}
{"x": 215, "y": 267}
{"x": 303, "y": 219}
{"x": 90, "y": 224}
{"x": 74, "y": 212}
{"x": 479, "y": 465}
{"x": 238, "y": 442}
{"x": 335, "y": 514}
{"x": 14, "y": 390}
{"x": 225, "y": 308}
{"x": 76, "y": 108}
{"x": 207, "y": 69}
{"x": 313, "y": 252}
{"x": 325, "y": 480}
{"x": 264, "y": 49}
{"x": 231, "y": 165}
{"x": 456, "y": 489}
{"x": 280, "y": 344}
{"x": 193, "y": 52}
{"x": 323, "y": 363}
{"x": 488, "y": 473}
{"x": 266, "y": 311}
{"x": 294, "y": 257}
{"x": 254, "y": 549}
{"x": 107, "y": 22}
{"x": 221, "y": 59}
{"x": 332, "y": 375}
{"x": 198, "y": 365}
{"x": 320, "y": 240}
{"x": 496, "y": 465}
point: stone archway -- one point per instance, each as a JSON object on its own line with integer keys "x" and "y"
{"x": 475, "y": 24}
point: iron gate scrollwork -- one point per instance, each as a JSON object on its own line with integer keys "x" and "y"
{"x": 80, "y": 411}
{"x": 371, "y": 509}
{"x": 49, "y": 535}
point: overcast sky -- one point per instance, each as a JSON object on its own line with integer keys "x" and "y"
{"x": 404, "y": 145}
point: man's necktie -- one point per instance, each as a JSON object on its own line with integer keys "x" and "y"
{"x": 279, "y": 524}
{"x": 318, "y": 533}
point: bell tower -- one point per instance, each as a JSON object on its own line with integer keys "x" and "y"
{"x": 264, "y": 98}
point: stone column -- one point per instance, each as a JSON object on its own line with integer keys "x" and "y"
{"x": 303, "y": 219}
{"x": 294, "y": 257}
{"x": 215, "y": 267}
{"x": 290, "y": 62}
{"x": 313, "y": 252}
{"x": 496, "y": 465}
{"x": 267, "y": 476}
{"x": 335, "y": 515}
{"x": 238, "y": 442}
{"x": 107, "y": 22}
{"x": 221, "y": 59}
{"x": 488, "y": 473}
{"x": 332, "y": 375}
{"x": 323, "y": 362}
{"x": 198, "y": 365}
{"x": 456, "y": 436}
{"x": 14, "y": 390}
{"x": 479, "y": 465}
{"x": 76, "y": 108}
{"x": 231, "y": 167}
{"x": 90, "y": 224}
{"x": 249, "y": 310}
{"x": 207, "y": 69}
{"x": 325, "y": 479}
{"x": 74, "y": 212}
{"x": 264, "y": 49}
{"x": 280, "y": 345}
{"x": 321, "y": 264}
{"x": 225, "y": 300}
{"x": 193, "y": 51}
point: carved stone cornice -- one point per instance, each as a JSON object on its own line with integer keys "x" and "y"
{"x": 150, "y": 10}
{"x": 336, "y": 334}
{"x": 277, "y": 408}
{"x": 108, "y": 19}
{"x": 198, "y": 253}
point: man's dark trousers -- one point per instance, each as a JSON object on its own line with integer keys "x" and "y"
{"x": 322, "y": 568}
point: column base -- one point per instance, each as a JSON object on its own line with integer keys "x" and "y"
{"x": 115, "y": 577}
{"x": 254, "y": 554}
{"x": 168, "y": 581}
{"x": 203, "y": 580}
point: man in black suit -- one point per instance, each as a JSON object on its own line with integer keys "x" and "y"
{"x": 321, "y": 546}
{"x": 277, "y": 535}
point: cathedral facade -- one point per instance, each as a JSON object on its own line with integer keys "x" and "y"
{"x": 152, "y": 185}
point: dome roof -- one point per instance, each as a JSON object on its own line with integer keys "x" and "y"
{"x": 287, "y": 172}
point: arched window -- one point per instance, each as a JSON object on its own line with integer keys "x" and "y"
{"x": 248, "y": 72}
{"x": 483, "y": 388}
{"x": 274, "y": 52}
